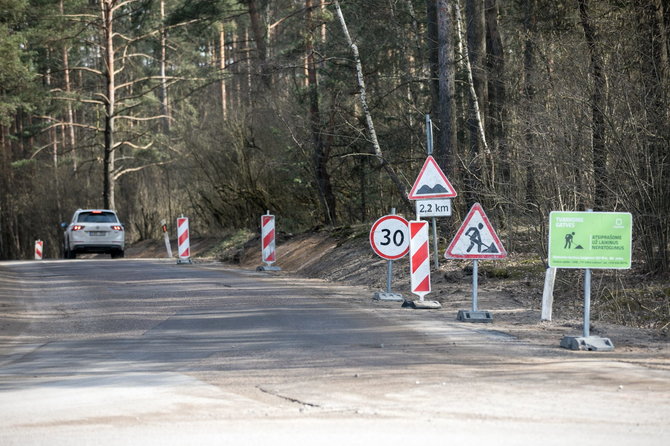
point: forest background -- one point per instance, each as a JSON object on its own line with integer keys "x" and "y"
{"x": 315, "y": 110}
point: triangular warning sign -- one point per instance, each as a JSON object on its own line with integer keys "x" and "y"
{"x": 431, "y": 183}
{"x": 476, "y": 238}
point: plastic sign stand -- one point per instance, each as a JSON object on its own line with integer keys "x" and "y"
{"x": 588, "y": 343}
{"x": 389, "y": 239}
{"x": 475, "y": 240}
{"x": 388, "y": 296}
{"x": 268, "y": 251}
{"x": 474, "y": 316}
{"x": 419, "y": 264}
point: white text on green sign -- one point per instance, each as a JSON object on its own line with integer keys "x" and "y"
{"x": 590, "y": 240}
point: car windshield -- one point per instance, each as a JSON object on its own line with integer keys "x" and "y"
{"x": 97, "y": 217}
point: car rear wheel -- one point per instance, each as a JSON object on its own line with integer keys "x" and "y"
{"x": 67, "y": 254}
{"x": 117, "y": 254}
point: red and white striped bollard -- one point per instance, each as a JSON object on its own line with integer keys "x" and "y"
{"x": 39, "y": 244}
{"x": 419, "y": 264}
{"x": 183, "y": 241}
{"x": 268, "y": 248}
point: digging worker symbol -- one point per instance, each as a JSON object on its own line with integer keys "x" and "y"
{"x": 475, "y": 237}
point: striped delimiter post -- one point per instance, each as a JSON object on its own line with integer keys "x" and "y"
{"x": 183, "y": 242}
{"x": 419, "y": 261}
{"x": 268, "y": 238}
{"x": 39, "y": 244}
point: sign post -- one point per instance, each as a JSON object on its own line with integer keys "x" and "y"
{"x": 268, "y": 248}
{"x": 475, "y": 240}
{"x": 389, "y": 238}
{"x": 429, "y": 152}
{"x": 589, "y": 240}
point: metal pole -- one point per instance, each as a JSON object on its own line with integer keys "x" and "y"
{"x": 475, "y": 274}
{"x": 429, "y": 151}
{"x": 389, "y": 276}
{"x": 587, "y": 298}
{"x": 429, "y": 135}
{"x": 587, "y": 301}
{"x": 436, "y": 257}
{"x": 389, "y": 269}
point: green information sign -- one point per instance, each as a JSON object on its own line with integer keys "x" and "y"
{"x": 590, "y": 240}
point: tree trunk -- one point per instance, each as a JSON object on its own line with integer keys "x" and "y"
{"x": 71, "y": 140}
{"x": 165, "y": 109}
{"x": 432, "y": 38}
{"x": 446, "y": 106}
{"x": 528, "y": 84}
{"x": 476, "y": 50}
{"x": 5, "y": 181}
{"x": 597, "y": 108}
{"x": 222, "y": 70}
{"x": 402, "y": 190}
{"x": 107, "y": 7}
{"x": 496, "y": 119}
{"x": 653, "y": 199}
{"x": 258, "y": 28}
{"x": 321, "y": 154}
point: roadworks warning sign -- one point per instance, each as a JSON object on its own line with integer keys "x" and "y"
{"x": 476, "y": 238}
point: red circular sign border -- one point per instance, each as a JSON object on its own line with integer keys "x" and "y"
{"x": 372, "y": 231}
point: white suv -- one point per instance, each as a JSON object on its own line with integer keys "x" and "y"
{"x": 93, "y": 230}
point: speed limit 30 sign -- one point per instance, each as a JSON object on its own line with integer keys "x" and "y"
{"x": 389, "y": 237}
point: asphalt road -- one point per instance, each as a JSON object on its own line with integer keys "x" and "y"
{"x": 110, "y": 352}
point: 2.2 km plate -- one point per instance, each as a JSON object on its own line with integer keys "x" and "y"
{"x": 435, "y": 207}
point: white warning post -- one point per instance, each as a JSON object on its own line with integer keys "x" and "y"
{"x": 183, "y": 241}
{"x": 419, "y": 265}
{"x": 268, "y": 247}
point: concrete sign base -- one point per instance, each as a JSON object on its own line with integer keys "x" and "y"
{"x": 589, "y": 343}
{"x": 184, "y": 261}
{"x": 474, "y": 316}
{"x": 268, "y": 268}
{"x": 394, "y": 297}
{"x": 422, "y": 304}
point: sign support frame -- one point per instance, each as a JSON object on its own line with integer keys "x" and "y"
{"x": 586, "y": 341}
{"x": 453, "y": 251}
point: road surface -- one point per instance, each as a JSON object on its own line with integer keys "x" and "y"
{"x": 111, "y": 352}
